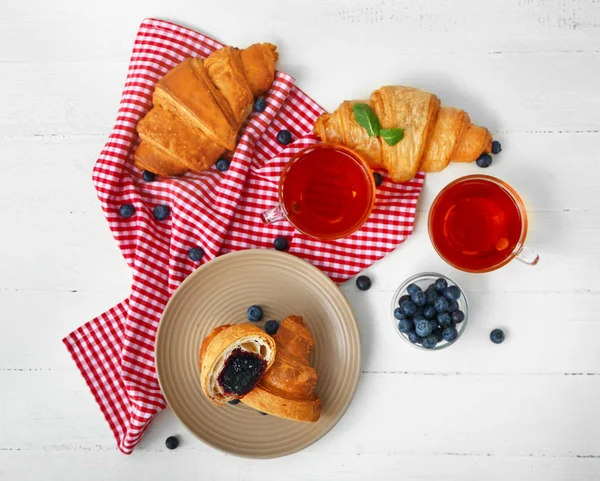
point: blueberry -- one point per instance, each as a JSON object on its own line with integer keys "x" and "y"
{"x": 402, "y": 299}
{"x": 271, "y": 327}
{"x": 419, "y": 299}
{"x": 484, "y": 160}
{"x": 440, "y": 285}
{"x": 408, "y": 308}
{"x": 406, "y": 325}
{"x": 172, "y": 442}
{"x": 126, "y": 211}
{"x": 262, "y": 413}
{"x": 438, "y": 334}
{"x": 363, "y": 283}
{"x": 458, "y": 317}
{"x": 414, "y": 337}
{"x": 449, "y": 334}
{"x": 378, "y": 178}
{"x": 398, "y": 314}
{"x": 430, "y": 312}
{"x": 444, "y": 319}
{"x": 284, "y": 137}
{"x": 497, "y": 336}
{"x": 281, "y": 243}
{"x": 255, "y": 313}
{"x": 260, "y": 104}
{"x": 223, "y": 165}
{"x": 452, "y": 307}
{"x": 434, "y": 324}
{"x": 412, "y": 288}
{"x": 441, "y": 304}
{"x": 148, "y": 176}
{"x": 161, "y": 212}
{"x": 233, "y": 402}
{"x": 430, "y": 342}
{"x": 452, "y": 293}
{"x": 431, "y": 295}
{"x": 496, "y": 147}
{"x": 196, "y": 254}
{"x": 423, "y": 327}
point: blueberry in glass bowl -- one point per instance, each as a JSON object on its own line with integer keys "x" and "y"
{"x": 441, "y": 320}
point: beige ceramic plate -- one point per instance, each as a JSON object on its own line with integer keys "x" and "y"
{"x": 220, "y": 292}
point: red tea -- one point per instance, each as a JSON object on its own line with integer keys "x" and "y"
{"x": 327, "y": 193}
{"x": 475, "y": 224}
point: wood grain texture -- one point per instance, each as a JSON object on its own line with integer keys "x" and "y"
{"x": 524, "y": 410}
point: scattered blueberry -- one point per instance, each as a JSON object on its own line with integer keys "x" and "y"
{"x": 284, "y": 137}
{"x": 441, "y": 304}
{"x": 412, "y": 288}
{"x": 402, "y": 299}
{"x": 414, "y": 337}
{"x": 363, "y": 283}
{"x": 126, "y": 210}
{"x": 430, "y": 342}
{"x": 196, "y": 254}
{"x": 260, "y": 104}
{"x": 452, "y": 307}
{"x": 161, "y": 212}
{"x": 408, "y": 308}
{"x": 378, "y": 178}
{"x": 405, "y": 325}
{"x": 449, "y": 334}
{"x": 496, "y": 147}
{"x": 148, "y": 176}
{"x": 430, "y": 312}
{"x": 223, "y": 165}
{"x": 423, "y": 327}
{"x": 444, "y": 319}
{"x": 452, "y": 293}
{"x": 172, "y": 442}
{"x": 419, "y": 298}
{"x": 233, "y": 402}
{"x": 440, "y": 285}
{"x": 485, "y": 160}
{"x": 458, "y": 317}
{"x": 262, "y": 413}
{"x": 497, "y": 336}
{"x": 281, "y": 243}
{"x": 255, "y": 313}
{"x": 271, "y": 327}
{"x": 398, "y": 314}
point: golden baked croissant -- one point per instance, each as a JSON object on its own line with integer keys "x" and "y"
{"x": 232, "y": 361}
{"x": 199, "y": 107}
{"x": 433, "y": 135}
{"x": 287, "y": 389}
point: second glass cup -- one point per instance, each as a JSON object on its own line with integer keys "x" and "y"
{"x": 326, "y": 191}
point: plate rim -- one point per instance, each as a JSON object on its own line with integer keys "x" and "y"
{"x": 267, "y": 252}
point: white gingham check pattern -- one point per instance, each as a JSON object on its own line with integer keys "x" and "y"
{"x": 219, "y": 212}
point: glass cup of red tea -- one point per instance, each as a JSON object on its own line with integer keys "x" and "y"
{"x": 326, "y": 191}
{"x": 479, "y": 223}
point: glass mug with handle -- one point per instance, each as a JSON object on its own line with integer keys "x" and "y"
{"x": 326, "y": 191}
{"x": 478, "y": 223}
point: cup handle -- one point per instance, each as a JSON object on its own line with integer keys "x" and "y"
{"x": 528, "y": 256}
{"x": 273, "y": 215}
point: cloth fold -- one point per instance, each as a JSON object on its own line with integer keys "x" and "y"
{"x": 218, "y": 212}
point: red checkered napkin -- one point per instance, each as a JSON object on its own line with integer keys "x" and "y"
{"x": 218, "y": 212}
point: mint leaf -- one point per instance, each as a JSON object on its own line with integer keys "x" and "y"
{"x": 392, "y": 136}
{"x": 365, "y": 117}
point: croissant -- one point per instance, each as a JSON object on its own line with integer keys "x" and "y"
{"x": 433, "y": 135}
{"x": 287, "y": 389}
{"x": 233, "y": 359}
{"x": 199, "y": 107}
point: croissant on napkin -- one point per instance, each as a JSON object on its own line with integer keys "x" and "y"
{"x": 199, "y": 107}
{"x": 433, "y": 135}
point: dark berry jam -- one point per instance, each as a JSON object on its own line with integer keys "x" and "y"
{"x": 241, "y": 372}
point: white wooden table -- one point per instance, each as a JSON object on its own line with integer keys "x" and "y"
{"x": 525, "y": 410}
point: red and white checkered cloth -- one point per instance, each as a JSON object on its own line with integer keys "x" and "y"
{"x": 219, "y": 212}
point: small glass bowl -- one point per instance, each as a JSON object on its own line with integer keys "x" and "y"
{"x": 423, "y": 280}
